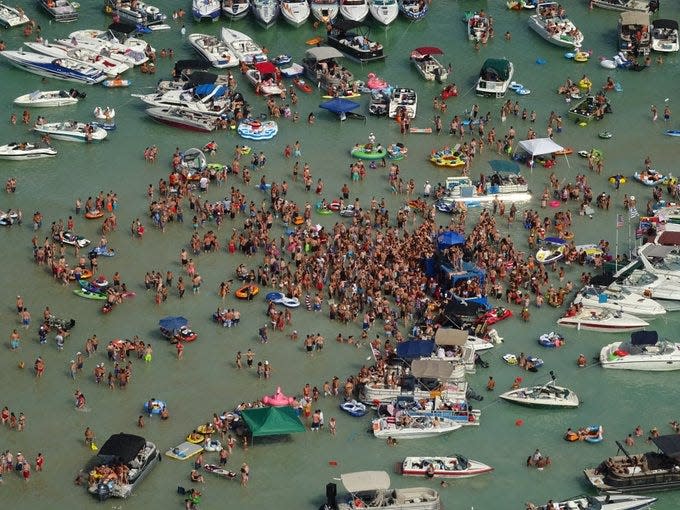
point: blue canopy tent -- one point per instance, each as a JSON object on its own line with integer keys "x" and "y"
{"x": 448, "y": 239}
{"x": 413, "y": 349}
{"x": 342, "y": 108}
{"x": 211, "y": 90}
{"x": 173, "y": 323}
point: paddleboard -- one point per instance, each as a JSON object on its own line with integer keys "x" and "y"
{"x": 420, "y": 130}
{"x": 673, "y": 132}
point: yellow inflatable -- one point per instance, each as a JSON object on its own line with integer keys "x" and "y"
{"x": 447, "y": 158}
{"x": 585, "y": 84}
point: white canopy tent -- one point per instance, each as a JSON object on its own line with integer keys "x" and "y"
{"x": 542, "y": 146}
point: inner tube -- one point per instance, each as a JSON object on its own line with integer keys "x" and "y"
{"x": 298, "y": 220}
{"x": 243, "y": 292}
{"x": 554, "y": 203}
{"x": 93, "y": 215}
{"x": 152, "y": 10}
{"x": 571, "y": 436}
{"x": 605, "y": 135}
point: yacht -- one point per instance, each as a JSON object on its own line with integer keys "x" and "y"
{"x": 235, "y": 9}
{"x": 354, "y": 10}
{"x": 295, "y": 12}
{"x": 62, "y": 11}
{"x": 265, "y": 12}
{"x": 456, "y": 466}
{"x": 12, "y": 17}
{"x": 103, "y": 63}
{"x": 596, "y": 319}
{"x": 183, "y": 119}
{"x": 383, "y": 11}
{"x": 555, "y": 29}
{"x": 414, "y": 10}
{"x": 206, "y": 9}
{"x": 25, "y": 151}
{"x": 412, "y": 427}
{"x": 644, "y": 351}
{"x": 494, "y": 78}
{"x": 60, "y": 68}
{"x": 548, "y": 396}
{"x": 634, "y": 33}
{"x": 241, "y": 45}
{"x": 207, "y": 99}
{"x": 213, "y": 50}
{"x": 652, "y": 285}
{"x": 325, "y": 10}
{"x": 606, "y": 502}
{"x": 594, "y": 296}
{"x": 665, "y": 35}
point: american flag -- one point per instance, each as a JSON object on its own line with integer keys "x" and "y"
{"x": 619, "y": 220}
{"x": 633, "y": 213}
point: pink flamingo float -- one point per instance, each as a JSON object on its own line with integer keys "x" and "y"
{"x": 278, "y": 399}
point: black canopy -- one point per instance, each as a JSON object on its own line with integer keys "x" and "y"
{"x": 602, "y": 279}
{"x": 180, "y": 65}
{"x": 665, "y": 23}
{"x": 345, "y": 25}
{"x": 123, "y": 28}
{"x": 199, "y": 78}
{"x": 124, "y": 447}
{"x": 644, "y": 338}
{"x": 669, "y": 445}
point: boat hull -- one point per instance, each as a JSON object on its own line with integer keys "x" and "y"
{"x": 604, "y": 328}
{"x": 410, "y": 468}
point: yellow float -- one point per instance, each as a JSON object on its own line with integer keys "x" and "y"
{"x": 448, "y": 158}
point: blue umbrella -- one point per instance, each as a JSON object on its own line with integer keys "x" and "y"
{"x": 172, "y": 323}
{"x": 339, "y": 105}
{"x": 499, "y": 165}
{"x": 449, "y": 238}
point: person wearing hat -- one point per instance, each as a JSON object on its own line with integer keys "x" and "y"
{"x": 581, "y": 361}
{"x": 267, "y": 370}
{"x": 427, "y": 189}
{"x": 371, "y": 139}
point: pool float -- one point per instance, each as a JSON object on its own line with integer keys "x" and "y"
{"x": 314, "y": 40}
{"x": 523, "y": 92}
{"x": 594, "y": 434}
{"x": 184, "y": 451}
{"x": 649, "y": 177}
{"x": 205, "y": 429}
{"x": 118, "y": 82}
{"x": 554, "y": 203}
{"x": 89, "y": 295}
{"x": 375, "y": 83}
{"x": 569, "y": 55}
{"x": 102, "y": 251}
{"x": 607, "y": 63}
{"x": 551, "y": 339}
{"x": 217, "y": 470}
{"x": 581, "y": 56}
{"x": 196, "y": 438}
{"x": 447, "y": 158}
{"x": 282, "y": 60}
{"x": 515, "y": 86}
{"x": 493, "y": 316}
{"x": 282, "y": 299}
{"x": 618, "y": 87}
{"x": 348, "y": 211}
{"x": 85, "y": 274}
{"x": 345, "y": 95}
{"x": 613, "y": 178}
{"x": 424, "y": 131}
{"x": 541, "y": 61}
{"x": 298, "y": 220}
{"x": 449, "y": 91}
{"x": 154, "y": 406}
{"x": 564, "y": 152}
{"x": 106, "y": 114}
{"x": 417, "y": 205}
{"x": 278, "y": 399}
{"x": 94, "y": 215}
{"x": 512, "y": 359}
{"x": 91, "y": 287}
{"x": 361, "y": 151}
{"x": 568, "y": 235}
{"x": 302, "y": 85}
{"x": 572, "y": 436}
{"x": 335, "y": 205}
{"x": 254, "y": 129}
{"x": 396, "y": 151}
{"x": 354, "y": 408}
{"x": 605, "y": 135}
{"x": 246, "y": 291}
{"x": 585, "y": 84}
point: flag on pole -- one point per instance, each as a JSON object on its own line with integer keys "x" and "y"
{"x": 619, "y": 220}
{"x": 633, "y": 213}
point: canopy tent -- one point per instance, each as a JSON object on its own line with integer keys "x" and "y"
{"x": 450, "y": 336}
{"x": 365, "y": 481}
{"x": 272, "y": 421}
{"x": 173, "y": 323}
{"x": 542, "y": 146}
{"x": 124, "y": 447}
{"x": 504, "y": 166}
{"x": 266, "y": 67}
{"x": 413, "y": 349}
{"x": 448, "y": 239}
{"x": 323, "y": 53}
{"x": 433, "y": 369}
{"x": 669, "y": 445}
{"x": 342, "y": 108}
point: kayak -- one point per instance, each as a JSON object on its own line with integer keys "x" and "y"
{"x": 84, "y": 293}
{"x": 302, "y": 85}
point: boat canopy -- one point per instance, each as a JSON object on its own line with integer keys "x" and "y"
{"x": 503, "y": 166}
{"x": 180, "y": 65}
{"x": 365, "y": 481}
{"x": 495, "y": 69}
{"x": 540, "y": 146}
{"x": 634, "y": 18}
{"x": 266, "y": 67}
{"x": 669, "y": 445}
{"x": 323, "y": 53}
{"x": 124, "y": 447}
{"x": 345, "y": 25}
{"x": 210, "y": 89}
{"x": 657, "y": 251}
{"x": 665, "y": 23}
{"x": 644, "y": 338}
{"x": 433, "y": 369}
{"x": 339, "y": 105}
{"x": 173, "y": 323}
{"x": 122, "y": 28}
{"x": 450, "y": 336}
{"x": 413, "y": 349}
{"x": 429, "y": 50}
{"x": 669, "y": 238}
{"x": 200, "y": 78}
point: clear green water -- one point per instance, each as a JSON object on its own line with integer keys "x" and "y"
{"x": 291, "y": 472}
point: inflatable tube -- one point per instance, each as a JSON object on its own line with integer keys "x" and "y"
{"x": 572, "y": 436}
{"x": 334, "y": 205}
{"x": 205, "y": 429}
{"x": 246, "y": 291}
{"x": 195, "y": 438}
{"x": 152, "y": 10}
{"x": 94, "y": 215}
{"x": 523, "y": 92}
{"x": 298, "y": 220}
{"x": 354, "y": 408}
{"x": 551, "y": 340}
{"x": 612, "y": 180}
{"x": 585, "y": 83}
{"x": 510, "y": 359}
{"x": 515, "y": 86}
{"x": 212, "y": 446}
{"x": 541, "y": 61}
{"x": 157, "y": 406}
{"x": 274, "y": 296}
{"x": 569, "y": 55}
{"x": 581, "y": 56}
{"x": 605, "y": 135}
{"x": 554, "y": 203}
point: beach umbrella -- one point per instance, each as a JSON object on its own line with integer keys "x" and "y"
{"x": 339, "y": 105}
{"x": 173, "y": 323}
{"x": 449, "y": 238}
{"x": 499, "y": 165}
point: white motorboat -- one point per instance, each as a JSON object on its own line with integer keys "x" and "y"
{"x": 644, "y": 351}
{"x": 295, "y": 12}
{"x": 60, "y": 68}
{"x": 354, "y": 10}
{"x": 547, "y": 396}
{"x": 72, "y": 131}
{"x": 12, "y": 17}
{"x": 634, "y": 33}
{"x": 235, "y": 9}
{"x": 325, "y": 10}
{"x": 265, "y": 12}
{"x": 25, "y": 151}
{"x": 384, "y": 11}
{"x": 495, "y": 77}
{"x": 660, "y": 260}
{"x": 414, "y": 10}
{"x": 460, "y": 189}
{"x": 111, "y": 50}
{"x": 427, "y": 65}
{"x": 552, "y": 250}
{"x": 47, "y": 98}
{"x": 606, "y": 321}
{"x": 651, "y": 285}
{"x": 665, "y": 35}
{"x": 622, "y": 300}
{"x": 622, "y": 5}
{"x": 459, "y": 411}
{"x": 371, "y": 489}
{"x": 376, "y": 391}
{"x": 412, "y": 427}
{"x": 209, "y": 102}
{"x": 263, "y": 78}
{"x": 213, "y": 50}
{"x": 206, "y": 9}
{"x": 135, "y": 12}
{"x": 241, "y": 45}
{"x": 606, "y": 502}
{"x": 455, "y": 466}
{"x": 105, "y": 64}
{"x": 404, "y": 101}
{"x": 552, "y": 27}
{"x": 107, "y": 41}
{"x": 62, "y": 11}
{"x": 478, "y": 26}
{"x": 352, "y": 38}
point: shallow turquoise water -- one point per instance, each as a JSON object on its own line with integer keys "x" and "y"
{"x": 294, "y": 470}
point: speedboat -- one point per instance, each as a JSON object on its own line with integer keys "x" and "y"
{"x": 651, "y": 285}
{"x": 606, "y": 502}
{"x": 63, "y": 11}
{"x": 478, "y": 27}
{"x": 184, "y": 119}
{"x": 265, "y": 12}
{"x": 295, "y": 12}
{"x": 403, "y": 101}
{"x": 660, "y": 260}
{"x": 354, "y": 10}
{"x": 552, "y": 27}
{"x": 351, "y": 38}
{"x": 383, "y": 11}
{"x": 12, "y": 17}
{"x": 596, "y": 319}
{"x": 548, "y": 396}
{"x": 213, "y": 50}
{"x": 103, "y": 63}
{"x": 455, "y": 466}
{"x": 206, "y": 9}
{"x": 106, "y": 41}
{"x": 459, "y": 410}
{"x": 72, "y": 131}
{"x": 371, "y": 489}
{"x": 427, "y": 65}
{"x": 650, "y": 471}
{"x": 622, "y": 300}
{"x": 622, "y": 5}
{"x": 634, "y": 33}
{"x": 263, "y": 78}
{"x": 23, "y": 151}
{"x": 60, "y": 68}
{"x": 414, "y": 10}
{"x": 412, "y": 427}
{"x": 644, "y": 351}
{"x": 242, "y": 46}
{"x": 325, "y": 10}
{"x": 494, "y": 77}
{"x": 48, "y": 98}
{"x": 665, "y": 35}
{"x": 552, "y": 250}
{"x": 235, "y": 9}
{"x": 136, "y": 13}
{"x": 208, "y": 99}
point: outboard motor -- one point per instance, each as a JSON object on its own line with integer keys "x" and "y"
{"x": 103, "y": 491}
{"x": 331, "y": 497}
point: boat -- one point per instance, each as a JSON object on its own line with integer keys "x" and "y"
{"x": 622, "y": 300}
{"x": 60, "y": 68}
{"x": 606, "y": 502}
{"x": 651, "y": 177}
{"x": 458, "y": 410}
{"x": 552, "y": 250}
{"x": 494, "y": 78}
{"x": 176, "y": 329}
{"x": 414, "y": 10}
{"x": 118, "y": 44}
{"x": 217, "y": 470}
{"x": 383, "y": 11}
{"x": 354, "y": 10}
{"x": 135, "y": 13}
{"x": 351, "y": 38}
{"x": 427, "y": 65}
{"x": 252, "y": 129}
{"x": 651, "y": 285}
{"x": 354, "y": 408}
{"x": 665, "y": 35}
{"x": 555, "y": 29}
{"x": 546, "y": 396}
{"x": 242, "y": 46}
{"x": 49, "y": 98}
{"x": 606, "y": 321}
{"x": 71, "y": 239}
{"x": 587, "y": 109}
{"x": 644, "y": 351}
{"x": 295, "y": 12}
{"x": 215, "y": 51}
{"x": 71, "y": 131}
{"x": 265, "y": 12}
{"x": 184, "y": 119}
{"x": 649, "y": 471}
{"x": 508, "y": 187}
{"x": 371, "y": 489}
{"x": 412, "y": 427}
{"x": 368, "y": 151}
{"x": 116, "y": 83}
{"x": 478, "y": 26}
{"x": 184, "y": 451}
{"x": 12, "y": 17}
{"x": 207, "y": 99}
{"x": 105, "y": 64}
{"x": 25, "y": 151}
{"x": 630, "y": 25}
{"x": 62, "y": 11}
{"x": 235, "y": 9}
{"x": 319, "y": 61}
{"x": 456, "y": 466}
{"x": 134, "y": 452}
{"x": 325, "y": 11}
{"x": 263, "y": 77}
{"x": 403, "y": 101}
{"x": 622, "y": 5}
{"x": 206, "y": 9}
